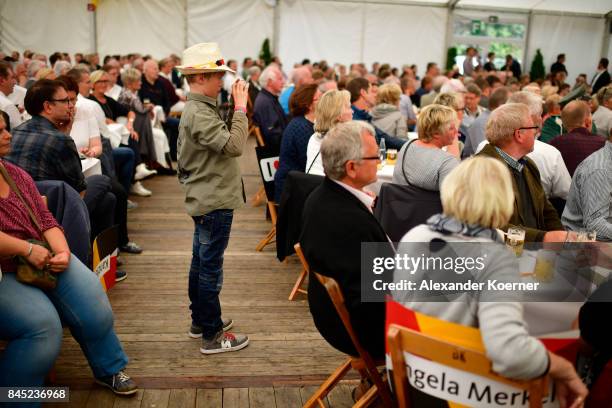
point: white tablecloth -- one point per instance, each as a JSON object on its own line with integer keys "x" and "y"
{"x": 385, "y": 175}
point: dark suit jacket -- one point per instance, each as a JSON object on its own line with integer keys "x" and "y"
{"x": 270, "y": 117}
{"x": 335, "y": 223}
{"x": 603, "y": 80}
{"x": 545, "y": 214}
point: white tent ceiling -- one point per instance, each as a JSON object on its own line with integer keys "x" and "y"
{"x": 343, "y": 31}
{"x": 594, "y": 7}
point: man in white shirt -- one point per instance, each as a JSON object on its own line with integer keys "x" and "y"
{"x": 7, "y": 83}
{"x": 230, "y": 77}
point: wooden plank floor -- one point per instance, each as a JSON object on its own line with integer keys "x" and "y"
{"x": 152, "y": 317}
{"x": 254, "y": 397}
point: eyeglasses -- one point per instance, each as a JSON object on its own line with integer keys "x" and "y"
{"x": 102, "y": 81}
{"x": 528, "y": 128}
{"x": 370, "y": 158}
{"x": 67, "y": 101}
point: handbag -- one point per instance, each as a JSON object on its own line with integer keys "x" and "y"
{"x": 26, "y": 272}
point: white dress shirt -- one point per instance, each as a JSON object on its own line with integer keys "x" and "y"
{"x": 11, "y": 110}
{"x": 366, "y": 199}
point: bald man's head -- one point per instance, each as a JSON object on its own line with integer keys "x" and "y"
{"x": 302, "y": 76}
{"x": 151, "y": 70}
{"x": 576, "y": 114}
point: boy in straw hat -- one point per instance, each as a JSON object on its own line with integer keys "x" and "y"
{"x": 210, "y": 175}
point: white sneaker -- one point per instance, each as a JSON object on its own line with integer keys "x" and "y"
{"x": 142, "y": 172}
{"x": 139, "y": 190}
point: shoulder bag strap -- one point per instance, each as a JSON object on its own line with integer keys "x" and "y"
{"x": 315, "y": 158}
{"x": 404, "y": 160}
{"x": 14, "y": 187}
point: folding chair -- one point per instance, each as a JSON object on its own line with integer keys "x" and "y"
{"x": 305, "y": 270}
{"x": 268, "y": 162}
{"x": 364, "y": 364}
{"x": 259, "y": 197}
{"x": 404, "y": 340}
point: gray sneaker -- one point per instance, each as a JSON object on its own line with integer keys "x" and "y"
{"x": 120, "y": 383}
{"x": 223, "y": 342}
{"x": 195, "y": 332}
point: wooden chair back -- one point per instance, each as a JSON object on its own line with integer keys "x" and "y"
{"x": 254, "y": 129}
{"x": 402, "y": 339}
{"x": 335, "y": 294}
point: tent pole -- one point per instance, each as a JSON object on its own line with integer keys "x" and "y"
{"x": 605, "y": 44}
{"x": 526, "y": 57}
{"x": 448, "y": 39}
{"x": 94, "y": 34}
{"x": 275, "y": 26}
{"x": 186, "y": 29}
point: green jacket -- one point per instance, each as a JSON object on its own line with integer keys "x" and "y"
{"x": 209, "y": 175}
{"x": 546, "y": 215}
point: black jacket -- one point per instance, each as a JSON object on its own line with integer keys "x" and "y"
{"x": 335, "y": 223}
{"x": 270, "y": 117}
{"x": 603, "y": 80}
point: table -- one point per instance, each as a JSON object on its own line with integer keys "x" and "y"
{"x": 384, "y": 175}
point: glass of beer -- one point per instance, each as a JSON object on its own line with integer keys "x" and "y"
{"x": 586, "y": 236}
{"x": 544, "y": 267}
{"x": 515, "y": 239}
{"x": 391, "y": 156}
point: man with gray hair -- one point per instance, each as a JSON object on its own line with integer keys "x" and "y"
{"x": 554, "y": 175}
{"x": 511, "y": 133}
{"x": 337, "y": 219}
{"x": 267, "y": 112}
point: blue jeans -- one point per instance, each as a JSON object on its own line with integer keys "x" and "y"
{"x": 210, "y": 238}
{"x": 31, "y": 320}
{"x": 125, "y": 163}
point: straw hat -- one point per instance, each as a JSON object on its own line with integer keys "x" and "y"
{"x": 201, "y": 58}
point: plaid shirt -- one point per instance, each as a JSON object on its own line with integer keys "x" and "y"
{"x": 46, "y": 153}
{"x": 515, "y": 164}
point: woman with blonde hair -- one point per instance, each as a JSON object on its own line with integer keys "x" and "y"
{"x": 477, "y": 198}
{"x": 334, "y": 107}
{"x": 386, "y": 114}
{"x": 422, "y": 162}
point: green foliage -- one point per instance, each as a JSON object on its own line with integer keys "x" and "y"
{"x": 450, "y": 58}
{"x": 265, "y": 53}
{"x": 537, "y": 67}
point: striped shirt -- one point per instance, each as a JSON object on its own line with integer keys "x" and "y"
{"x": 590, "y": 198}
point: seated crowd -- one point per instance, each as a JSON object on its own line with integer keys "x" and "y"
{"x": 469, "y": 135}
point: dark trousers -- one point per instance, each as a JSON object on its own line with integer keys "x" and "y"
{"x": 210, "y": 238}
{"x": 101, "y": 203}
{"x": 120, "y": 212}
{"x": 171, "y": 127}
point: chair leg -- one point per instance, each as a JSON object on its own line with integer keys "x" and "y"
{"x": 259, "y": 197}
{"x": 328, "y": 385}
{"x": 367, "y": 399}
{"x": 298, "y": 285}
{"x": 268, "y": 239}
